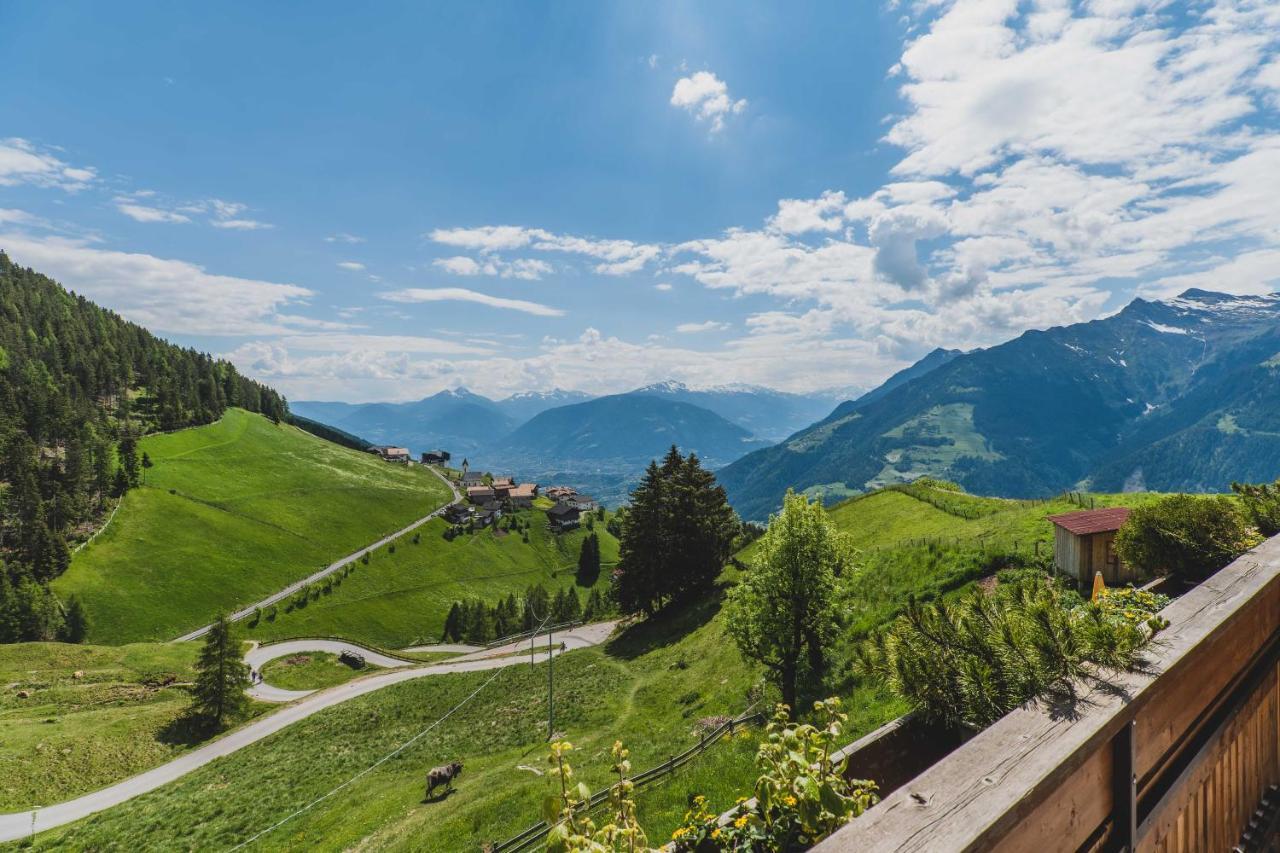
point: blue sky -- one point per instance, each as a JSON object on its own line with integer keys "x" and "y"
{"x": 379, "y": 203}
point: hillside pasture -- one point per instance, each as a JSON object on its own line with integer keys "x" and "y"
{"x": 401, "y": 598}
{"x": 229, "y": 513}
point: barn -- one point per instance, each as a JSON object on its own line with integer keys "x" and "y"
{"x": 1084, "y": 543}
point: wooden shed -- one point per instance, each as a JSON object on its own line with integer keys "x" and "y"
{"x": 1084, "y": 543}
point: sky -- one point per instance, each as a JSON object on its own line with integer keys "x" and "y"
{"x": 378, "y": 203}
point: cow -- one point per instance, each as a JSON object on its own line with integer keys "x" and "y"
{"x": 443, "y": 775}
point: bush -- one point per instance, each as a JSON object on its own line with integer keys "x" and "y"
{"x": 1187, "y": 536}
{"x": 1261, "y": 504}
{"x": 969, "y": 663}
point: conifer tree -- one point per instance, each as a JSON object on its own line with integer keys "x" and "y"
{"x": 221, "y": 674}
{"x": 77, "y": 621}
{"x": 453, "y": 623}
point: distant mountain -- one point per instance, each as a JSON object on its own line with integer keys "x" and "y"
{"x": 457, "y": 420}
{"x": 1175, "y": 394}
{"x": 525, "y": 405}
{"x": 603, "y": 445}
{"x": 765, "y": 413}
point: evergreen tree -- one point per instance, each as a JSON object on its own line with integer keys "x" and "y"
{"x": 677, "y": 535}
{"x": 642, "y": 550}
{"x": 782, "y": 613}
{"x": 128, "y": 451}
{"x": 77, "y": 621}
{"x": 589, "y": 560}
{"x": 453, "y": 623}
{"x": 221, "y": 675}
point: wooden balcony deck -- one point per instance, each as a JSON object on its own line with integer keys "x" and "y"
{"x": 1175, "y": 757}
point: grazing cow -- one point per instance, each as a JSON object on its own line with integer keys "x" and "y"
{"x": 443, "y": 775}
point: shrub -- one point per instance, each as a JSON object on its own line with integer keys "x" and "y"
{"x": 391, "y": 549}
{"x": 801, "y": 795}
{"x": 1187, "y": 536}
{"x": 969, "y": 663}
{"x": 365, "y": 559}
{"x": 1261, "y": 504}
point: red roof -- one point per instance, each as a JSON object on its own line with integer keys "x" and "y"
{"x": 1092, "y": 520}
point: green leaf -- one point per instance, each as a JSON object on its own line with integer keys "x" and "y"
{"x": 551, "y": 808}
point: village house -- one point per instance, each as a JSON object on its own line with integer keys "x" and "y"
{"x": 558, "y": 492}
{"x": 473, "y": 478}
{"x": 582, "y": 503}
{"x": 479, "y": 494}
{"x": 522, "y": 496}
{"x": 487, "y": 517}
{"x": 1084, "y": 543}
{"x": 392, "y": 454}
{"x": 457, "y": 514}
{"x": 563, "y": 517}
{"x": 502, "y": 486}
{"x": 435, "y": 457}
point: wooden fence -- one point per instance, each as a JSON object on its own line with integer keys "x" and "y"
{"x": 1173, "y": 757}
{"x": 534, "y": 834}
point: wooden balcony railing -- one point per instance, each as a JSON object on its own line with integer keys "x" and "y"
{"x": 1174, "y": 757}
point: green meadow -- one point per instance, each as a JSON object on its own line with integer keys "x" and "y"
{"x": 229, "y": 513}
{"x": 401, "y": 597}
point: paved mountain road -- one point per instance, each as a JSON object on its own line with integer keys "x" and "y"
{"x": 332, "y": 567}
{"x": 18, "y": 825}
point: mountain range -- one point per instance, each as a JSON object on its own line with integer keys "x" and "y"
{"x": 1179, "y": 394}
{"x": 600, "y": 443}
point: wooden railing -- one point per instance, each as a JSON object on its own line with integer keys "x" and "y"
{"x": 1173, "y": 757}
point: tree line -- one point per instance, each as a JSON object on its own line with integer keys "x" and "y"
{"x": 79, "y": 385}
{"x": 475, "y": 621}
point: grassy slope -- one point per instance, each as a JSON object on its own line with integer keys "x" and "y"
{"x": 646, "y": 687}
{"x": 311, "y": 671}
{"x": 75, "y": 735}
{"x": 230, "y": 513}
{"x": 402, "y": 598}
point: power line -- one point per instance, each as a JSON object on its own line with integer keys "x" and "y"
{"x": 401, "y": 748}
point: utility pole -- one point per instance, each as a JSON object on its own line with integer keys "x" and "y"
{"x": 551, "y": 696}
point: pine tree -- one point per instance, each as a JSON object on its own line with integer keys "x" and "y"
{"x": 77, "y": 624}
{"x": 128, "y": 451}
{"x": 453, "y": 623}
{"x": 221, "y": 675}
{"x": 642, "y": 551}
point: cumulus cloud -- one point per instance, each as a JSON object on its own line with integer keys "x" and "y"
{"x": 459, "y": 294}
{"x": 529, "y": 269}
{"x": 165, "y": 295}
{"x": 706, "y": 97}
{"x": 23, "y": 162}
{"x": 613, "y": 257}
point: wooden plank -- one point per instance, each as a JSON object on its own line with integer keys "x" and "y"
{"x": 990, "y": 786}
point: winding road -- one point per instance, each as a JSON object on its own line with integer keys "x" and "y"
{"x": 334, "y": 566}
{"x": 18, "y": 825}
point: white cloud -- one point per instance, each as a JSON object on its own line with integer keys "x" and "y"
{"x": 143, "y": 213}
{"x": 707, "y": 326}
{"x": 796, "y": 216}
{"x": 165, "y": 295}
{"x": 355, "y": 266}
{"x": 459, "y": 294}
{"x": 615, "y": 257}
{"x": 343, "y": 237}
{"x": 529, "y": 269}
{"x": 663, "y": 286}
{"x": 241, "y": 224}
{"x": 22, "y": 162}
{"x": 706, "y": 97}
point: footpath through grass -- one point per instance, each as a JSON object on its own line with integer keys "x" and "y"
{"x": 401, "y": 598}
{"x": 71, "y": 735}
{"x": 230, "y": 513}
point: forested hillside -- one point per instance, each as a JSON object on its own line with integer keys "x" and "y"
{"x": 78, "y": 386}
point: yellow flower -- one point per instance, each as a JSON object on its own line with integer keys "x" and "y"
{"x": 789, "y": 800}
{"x": 715, "y": 833}
{"x": 740, "y": 822}
{"x": 679, "y": 833}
